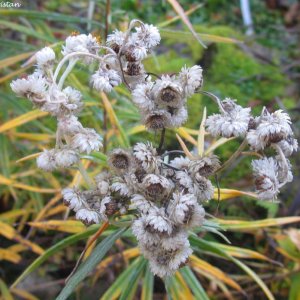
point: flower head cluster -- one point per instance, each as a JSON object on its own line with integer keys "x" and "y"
{"x": 167, "y": 198}
{"x": 162, "y": 103}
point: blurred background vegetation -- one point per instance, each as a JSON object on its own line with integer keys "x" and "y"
{"x": 259, "y": 70}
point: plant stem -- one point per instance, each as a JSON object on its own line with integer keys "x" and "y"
{"x": 162, "y": 140}
{"x": 85, "y": 175}
{"x": 233, "y": 156}
{"x": 71, "y": 65}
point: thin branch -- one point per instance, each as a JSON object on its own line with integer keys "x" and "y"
{"x": 162, "y": 140}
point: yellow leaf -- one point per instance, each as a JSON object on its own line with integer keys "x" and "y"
{"x": 136, "y": 129}
{"x": 218, "y": 143}
{"x": 23, "y": 294}
{"x": 7, "y": 254}
{"x": 56, "y": 210}
{"x": 184, "y": 147}
{"x": 33, "y": 136}
{"x": 28, "y": 157}
{"x": 184, "y": 291}
{"x": 7, "y": 231}
{"x": 250, "y": 225}
{"x": 229, "y": 194}
{"x": 12, "y": 214}
{"x": 70, "y": 226}
{"x": 184, "y": 133}
{"x": 25, "y": 118}
{"x": 198, "y": 263}
{"x": 14, "y": 59}
{"x": 179, "y": 10}
{"x": 201, "y": 135}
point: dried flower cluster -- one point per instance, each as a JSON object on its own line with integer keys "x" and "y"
{"x": 165, "y": 195}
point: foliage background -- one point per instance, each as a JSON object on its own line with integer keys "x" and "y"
{"x": 261, "y": 71}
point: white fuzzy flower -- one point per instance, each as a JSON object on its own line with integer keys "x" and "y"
{"x": 271, "y": 128}
{"x": 103, "y": 207}
{"x": 73, "y": 95}
{"x": 156, "y": 186}
{"x": 81, "y": 43}
{"x": 33, "y": 87}
{"x": 87, "y": 140}
{"x": 148, "y": 35}
{"x": 179, "y": 117}
{"x": 180, "y": 162}
{"x": 69, "y": 125}
{"x": 202, "y": 188}
{"x": 233, "y": 122}
{"x": 157, "y": 221}
{"x": 45, "y": 57}
{"x": 46, "y": 160}
{"x": 139, "y": 229}
{"x": 121, "y": 187}
{"x": 65, "y": 158}
{"x": 141, "y": 97}
{"x": 184, "y": 179}
{"x": 288, "y": 146}
{"x": 105, "y": 80}
{"x": 181, "y": 207}
{"x": 190, "y": 79}
{"x": 115, "y": 40}
{"x": 175, "y": 241}
{"x": 265, "y": 173}
{"x": 167, "y": 92}
{"x": 87, "y": 216}
{"x": 73, "y": 198}
{"x": 147, "y": 156}
{"x": 204, "y": 166}
{"x": 139, "y": 202}
{"x": 157, "y": 120}
{"x": 135, "y": 52}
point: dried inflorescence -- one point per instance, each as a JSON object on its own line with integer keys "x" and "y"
{"x": 165, "y": 195}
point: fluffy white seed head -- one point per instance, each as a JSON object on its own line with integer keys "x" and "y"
{"x": 87, "y": 140}
{"x": 47, "y": 160}
{"x": 73, "y": 198}
{"x": 45, "y": 57}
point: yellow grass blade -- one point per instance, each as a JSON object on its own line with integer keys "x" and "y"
{"x": 184, "y": 147}
{"x": 25, "y": 118}
{"x": 11, "y": 234}
{"x": 229, "y": 194}
{"x": 217, "y": 144}
{"x": 179, "y": 10}
{"x": 33, "y": 136}
{"x": 7, "y": 254}
{"x": 201, "y": 135}
{"x": 198, "y": 263}
{"x": 14, "y": 59}
{"x": 241, "y": 252}
{"x": 69, "y": 226}
{"x": 113, "y": 119}
{"x": 11, "y": 183}
{"x": 185, "y": 292}
{"x": 29, "y": 157}
{"x": 23, "y": 294}
{"x": 5, "y": 293}
{"x": 136, "y": 129}
{"x": 184, "y": 133}
{"x": 252, "y": 225}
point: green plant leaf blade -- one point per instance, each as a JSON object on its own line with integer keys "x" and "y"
{"x": 87, "y": 266}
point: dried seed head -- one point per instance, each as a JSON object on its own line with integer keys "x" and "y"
{"x": 157, "y": 120}
{"x": 119, "y": 159}
{"x": 204, "y": 166}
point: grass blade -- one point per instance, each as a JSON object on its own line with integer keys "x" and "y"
{"x": 87, "y": 266}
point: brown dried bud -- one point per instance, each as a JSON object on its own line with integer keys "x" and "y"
{"x": 119, "y": 159}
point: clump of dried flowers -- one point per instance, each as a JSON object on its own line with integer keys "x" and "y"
{"x": 165, "y": 194}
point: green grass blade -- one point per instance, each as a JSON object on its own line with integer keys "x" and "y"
{"x": 26, "y": 30}
{"x": 193, "y": 283}
{"x": 115, "y": 289}
{"x": 49, "y": 16}
{"x": 70, "y": 240}
{"x": 148, "y": 283}
{"x": 88, "y": 265}
{"x": 133, "y": 280}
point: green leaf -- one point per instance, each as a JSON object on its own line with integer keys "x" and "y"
{"x": 193, "y": 283}
{"x": 5, "y": 291}
{"x": 46, "y": 16}
{"x": 88, "y": 265}
{"x": 133, "y": 280}
{"x": 70, "y": 240}
{"x": 210, "y": 247}
{"x": 147, "y": 290}
{"x": 26, "y": 30}
{"x": 121, "y": 282}
{"x": 294, "y": 290}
